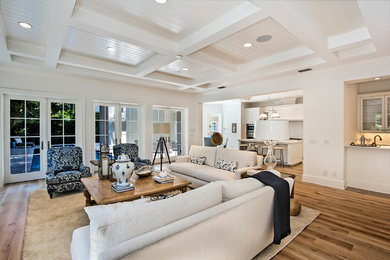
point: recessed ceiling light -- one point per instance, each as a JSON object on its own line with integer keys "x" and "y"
{"x": 185, "y": 69}
{"x": 264, "y": 38}
{"x": 377, "y": 78}
{"x": 161, "y": 1}
{"x": 247, "y": 45}
{"x": 25, "y": 25}
{"x": 111, "y": 49}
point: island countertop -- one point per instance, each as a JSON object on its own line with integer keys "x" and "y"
{"x": 379, "y": 147}
{"x": 277, "y": 142}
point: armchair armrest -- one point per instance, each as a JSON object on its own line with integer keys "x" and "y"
{"x": 260, "y": 160}
{"x": 239, "y": 172}
{"x": 50, "y": 172}
{"x": 85, "y": 169}
{"x": 182, "y": 158}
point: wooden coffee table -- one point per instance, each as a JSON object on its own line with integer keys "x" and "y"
{"x": 101, "y": 192}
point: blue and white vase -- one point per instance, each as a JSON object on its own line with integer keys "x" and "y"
{"x": 123, "y": 168}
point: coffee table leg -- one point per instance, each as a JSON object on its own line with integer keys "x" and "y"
{"x": 88, "y": 201}
{"x": 183, "y": 189}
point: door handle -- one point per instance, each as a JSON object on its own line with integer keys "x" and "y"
{"x": 48, "y": 144}
{"x": 116, "y": 141}
{"x": 41, "y": 145}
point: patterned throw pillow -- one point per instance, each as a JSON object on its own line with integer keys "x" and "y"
{"x": 197, "y": 159}
{"x": 226, "y": 165}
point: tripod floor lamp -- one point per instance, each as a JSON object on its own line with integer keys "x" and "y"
{"x": 161, "y": 129}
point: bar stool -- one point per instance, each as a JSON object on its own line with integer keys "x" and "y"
{"x": 276, "y": 148}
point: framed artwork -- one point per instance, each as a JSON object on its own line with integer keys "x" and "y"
{"x": 234, "y": 127}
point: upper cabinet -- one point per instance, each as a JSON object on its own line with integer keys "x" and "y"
{"x": 251, "y": 115}
{"x": 374, "y": 112}
{"x": 292, "y": 112}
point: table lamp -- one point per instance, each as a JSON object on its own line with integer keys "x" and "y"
{"x": 161, "y": 129}
{"x": 271, "y": 131}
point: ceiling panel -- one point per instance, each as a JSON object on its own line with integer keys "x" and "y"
{"x": 178, "y": 65}
{"x": 333, "y": 17}
{"x": 87, "y": 43}
{"x": 175, "y": 19}
{"x": 32, "y": 12}
{"x": 231, "y": 48}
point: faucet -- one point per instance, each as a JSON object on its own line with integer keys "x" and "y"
{"x": 374, "y": 143}
{"x": 362, "y": 140}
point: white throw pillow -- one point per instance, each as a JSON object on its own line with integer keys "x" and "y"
{"x": 112, "y": 228}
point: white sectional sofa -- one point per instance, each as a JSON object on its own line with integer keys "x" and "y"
{"x": 202, "y": 174}
{"x": 221, "y": 220}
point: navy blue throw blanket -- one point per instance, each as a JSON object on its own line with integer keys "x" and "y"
{"x": 281, "y": 203}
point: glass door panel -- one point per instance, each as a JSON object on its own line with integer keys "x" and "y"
{"x": 388, "y": 113}
{"x": 129, "y": 125}
{"x": 62, "y": 124}
{"x": 372, "y": 114}
{"x": 104, "y": 127}
{"x": 24, "y": 123}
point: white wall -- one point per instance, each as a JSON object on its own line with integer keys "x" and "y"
{"x": 14, "y": 80}
{"x": 323, "y": 94}
{"x": 231, "y": 114}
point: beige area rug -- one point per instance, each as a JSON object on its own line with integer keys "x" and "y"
{"x": 298, "y": 224}
{"x": 50, "y": 224}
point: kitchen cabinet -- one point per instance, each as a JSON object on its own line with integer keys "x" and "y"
{"x": 251, "y": 115}
{"x": 374, "y": 112}
{"x": 290, "y": 112}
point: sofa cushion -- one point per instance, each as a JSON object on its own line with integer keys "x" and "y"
{"x": 197, "y": 159}
{"x": 209, "y": 152}
{"x": 202, "y": 172}
{"x": 244, "y": 158}
{"x": 112, "y": 228}
{"x": 66, "y": 158}
{"x": 233, "y": 189}
{"x": 79, "y": 248}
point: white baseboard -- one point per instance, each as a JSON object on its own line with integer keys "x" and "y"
{"x": 334, "y": 183}
{"x": 372, "y": 186}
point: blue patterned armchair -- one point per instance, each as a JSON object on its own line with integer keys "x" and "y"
{"x": 65, "y": 168}
{"x": 132, "y": 151}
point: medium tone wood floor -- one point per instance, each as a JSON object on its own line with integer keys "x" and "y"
{"x": 352, "y": 225}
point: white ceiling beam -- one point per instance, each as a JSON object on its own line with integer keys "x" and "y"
{"x": 349, "y": 39}
{"x": 179, "y": 81}
{"x": 59, "y": 15}
{"x": 277, "y": 58}
{"x": 299, "y": 23}
{"x": 73, "y": 59}
{"x": 153, "y": 63}
{"x": 4, "y": 56}
{"x": 376, "y": 15}
{"x": 356, "y": 51}
{"x": 233, "y": 21}
{"x": 102, "y": 25}
{"x": 26, "y": 50}
{"x": 211, "y": 60}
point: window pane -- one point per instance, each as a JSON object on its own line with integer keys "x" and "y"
{"x": 111, "y": 128}
{"x": 17, "y": 127}
{"x": 155, "y": 115}
{"x": 33, "y": 156}
{"x": 161, "y": 116}
{"x": 17, "y": 108}
{"x": 178, "y": 125}
{"x": 70, "y": 127}
{"x": 55, "y": 141}
{"x": 178, "y": 117}
{"x": 70, "y": 140}
{"x": 32, "y": 127}
{"x": 69, "y": 111}
{"x": 134, "y": 114}
{"x": 57, "y": 110}
{"x": 101, "y": 112}
{"x": 100, "y": 127}
{"x": 56, "y": 127}
{"x": 17, "y": 146}
{"x": 134, "y": 128}
{"x": 18, "y": 164}
{"x": 32, "y": 109}
{"x": 111, "y": 113}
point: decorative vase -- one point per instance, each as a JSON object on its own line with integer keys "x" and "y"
{"x": 123, "y": 168}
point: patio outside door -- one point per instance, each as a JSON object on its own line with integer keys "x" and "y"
{"x": 24, "y": 145}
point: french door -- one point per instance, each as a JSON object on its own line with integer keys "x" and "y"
{"x": 32, "y": 125}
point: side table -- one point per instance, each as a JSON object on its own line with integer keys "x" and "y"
{"x": 295, "y": 206}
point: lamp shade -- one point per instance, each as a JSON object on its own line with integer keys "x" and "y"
{"x": 162, "y": 128}
{"x": 272, "y": 130}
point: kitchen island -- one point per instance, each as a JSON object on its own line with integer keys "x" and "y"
{"x": 292, "y": 149}
{"x": 368, "y": 167}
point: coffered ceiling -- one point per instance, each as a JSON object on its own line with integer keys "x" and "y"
{"x": 193, "y": 46}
